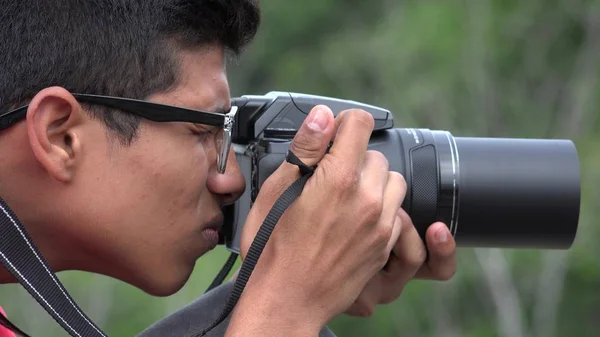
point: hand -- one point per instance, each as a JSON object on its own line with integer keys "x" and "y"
{"x": 333, "y": 239}
{"x": 407, "y": 262}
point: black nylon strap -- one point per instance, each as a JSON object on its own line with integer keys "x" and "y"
{"x": 293, "y": 159}
{"x": 22, "y": 258}
{"x": 260, "y": 241}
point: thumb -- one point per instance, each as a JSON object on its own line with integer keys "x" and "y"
{"x": 313, "y": 137}
{"x": 309, "y": 145}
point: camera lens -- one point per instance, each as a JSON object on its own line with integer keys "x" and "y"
{"x": 490, "y": 192}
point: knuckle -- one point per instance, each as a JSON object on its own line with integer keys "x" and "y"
{"x": 382, "y": 260}
{"x": 383, "y": 234}
{"x": 378, "y": 157}
{"x": 386, "y": 299}
{"x": 304, "y": 143}
{"x": 372, "y": 206}
{"x": 446, "y": 274}
{"x": 391, "y": 296}
{"x": 346, "y": 180}
{"x": 362, "y": 116}
{"x": 373, "y": 202}
{"x": 415, "y": 259}
{"x": 366, "y": 310}
{"x": 399, "y": 180}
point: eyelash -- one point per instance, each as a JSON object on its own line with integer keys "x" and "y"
{"x": 204, "y": 132}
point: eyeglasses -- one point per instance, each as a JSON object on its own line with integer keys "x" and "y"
{"x": 154, "y": 112}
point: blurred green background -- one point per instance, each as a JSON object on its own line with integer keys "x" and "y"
{"x": 480, "y": 67}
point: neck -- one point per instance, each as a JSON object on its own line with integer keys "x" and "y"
{"x": 23, "y": 192}
{"x": 46, "y": 241}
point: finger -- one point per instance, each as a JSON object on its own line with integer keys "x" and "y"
{"x": 352, "y": 137}
{"x": 442, "y": 254}
{"x": 394, "y": 193}
{"x": 374, "y": 177}
{"x": 375, "y": 291}
{"x": 369, "y": 298}
{"x": 338, "y": 119}
{"x": 408, "y": 255}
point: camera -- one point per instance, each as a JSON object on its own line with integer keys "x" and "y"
{"x": 490, "y": 192}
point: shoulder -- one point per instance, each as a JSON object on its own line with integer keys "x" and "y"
{"x": 199, "y": 314}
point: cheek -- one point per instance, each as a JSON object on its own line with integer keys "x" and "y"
{"x": 174, "y": 176}
{"x": 141, "y": 200}
{"x": 154, "y": 185}
{"x": 184, "y": 179}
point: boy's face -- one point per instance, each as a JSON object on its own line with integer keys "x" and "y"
{"x": 145, "y": 210}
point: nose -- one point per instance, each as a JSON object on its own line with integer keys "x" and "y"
{"x": 228, "y": 186}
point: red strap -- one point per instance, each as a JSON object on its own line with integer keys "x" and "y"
{"x": 4, "y": 332}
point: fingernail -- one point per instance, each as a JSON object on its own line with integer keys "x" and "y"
{"x": 318, "y": 119}
{"x": 442, "y": 235}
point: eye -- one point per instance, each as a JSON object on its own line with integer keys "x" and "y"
{"x": 203, "y": 131}
{"x": 211, "y": 129}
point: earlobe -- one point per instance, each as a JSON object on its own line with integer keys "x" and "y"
{"x": 52, "y": 119}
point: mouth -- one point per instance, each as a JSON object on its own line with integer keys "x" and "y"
{"x": 210, "y": 231}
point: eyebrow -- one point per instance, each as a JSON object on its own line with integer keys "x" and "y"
{"x": 219, "y": 110}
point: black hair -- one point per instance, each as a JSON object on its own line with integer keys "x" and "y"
{"x": 123, "y": 48}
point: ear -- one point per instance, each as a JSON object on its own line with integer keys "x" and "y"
{"x": 52, "y": 120}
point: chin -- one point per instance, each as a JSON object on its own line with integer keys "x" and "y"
{"x": 164, "y": 283}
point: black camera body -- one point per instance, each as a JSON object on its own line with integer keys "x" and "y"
{"x": 490, "y": 192}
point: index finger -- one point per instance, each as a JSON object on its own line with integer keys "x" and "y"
{"x": 350, "y": 143}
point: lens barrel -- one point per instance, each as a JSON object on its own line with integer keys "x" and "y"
{"x": 490, "y": 192}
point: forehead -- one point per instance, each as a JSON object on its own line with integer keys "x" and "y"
{"x": 202, "y": 81}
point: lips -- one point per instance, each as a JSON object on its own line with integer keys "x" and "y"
{"x": 210, "y": 232}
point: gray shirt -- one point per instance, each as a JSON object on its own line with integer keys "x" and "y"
{"x": 200, "y": 314}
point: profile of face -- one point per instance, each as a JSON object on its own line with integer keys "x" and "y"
{"x": 145, "y": 212}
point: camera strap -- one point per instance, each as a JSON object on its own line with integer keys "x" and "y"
{"x": 260, "y": 241}
{"x": 22, "y": 258}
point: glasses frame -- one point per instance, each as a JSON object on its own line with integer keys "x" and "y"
{"x": 152, "y": 111}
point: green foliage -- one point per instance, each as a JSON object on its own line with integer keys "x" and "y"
{"x": 480, "y": 67}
